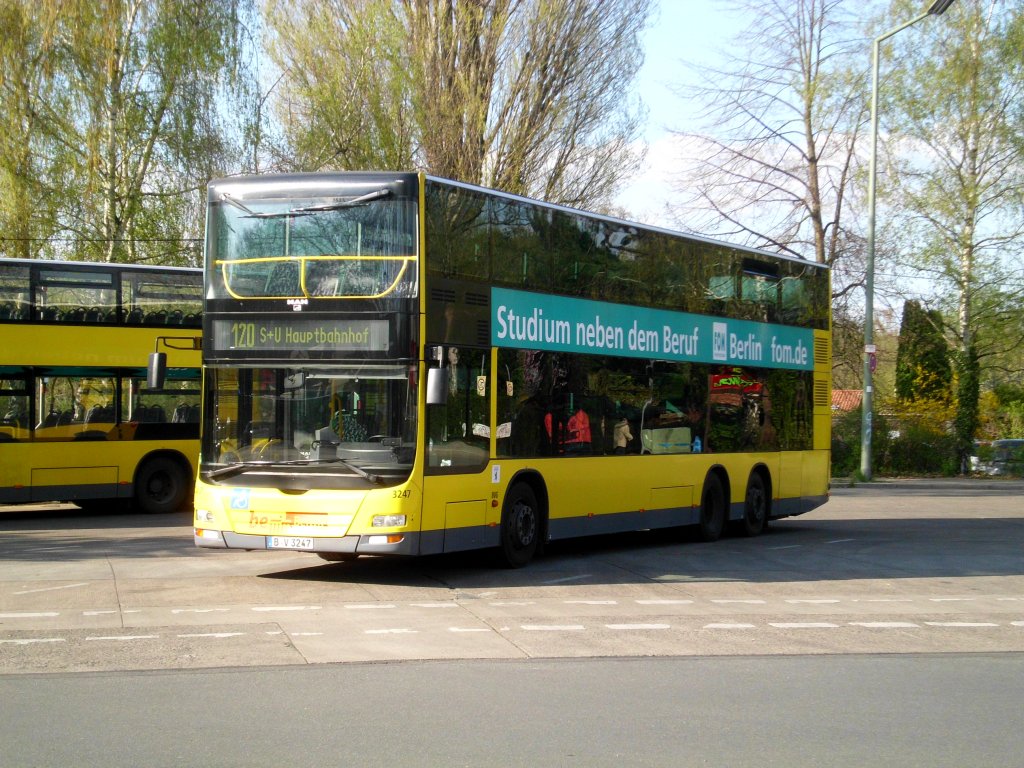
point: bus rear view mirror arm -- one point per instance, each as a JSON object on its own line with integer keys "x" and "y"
{"x": 156, "y": 370}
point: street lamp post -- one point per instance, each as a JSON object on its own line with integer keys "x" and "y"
{"x": 937, "y": 8}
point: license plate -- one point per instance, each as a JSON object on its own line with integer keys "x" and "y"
{"x": 289, "y": 542}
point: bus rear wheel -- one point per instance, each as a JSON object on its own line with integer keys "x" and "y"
{"x": 161, "y": 485}
{"x": 712, "y": 509}
{"x": 520, "y": 526}
{"x": 755, "y": 507}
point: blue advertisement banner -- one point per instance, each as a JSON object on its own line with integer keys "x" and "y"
{"x": 524, "y": 320}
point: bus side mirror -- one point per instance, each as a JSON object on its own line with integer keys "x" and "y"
{"x": 437, "y": 386}
{"x": 156, "y": 371}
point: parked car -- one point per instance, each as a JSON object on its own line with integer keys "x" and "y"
{"x": 1000, "y": 457}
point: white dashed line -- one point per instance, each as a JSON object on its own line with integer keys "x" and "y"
{"x": 215, "y": 635}
{"x": 741, "y": 602}
{"x": 802, "y": 625}
{"x": 391, "y": 631}
{"x": 32, "y": 640}
{"x": 884, "y": 624}
{"x": 513, "y": 602}
{"x": 961, "y": 624}
{"x": 822, "y": 601}
{"x": 99, "y": 613}
{"x": 590, "y": 602}
{"x": 789, "y": 546}
{"x": 552, "y": 627}
{"x": 638, "y": 626}
{"x": 434, "y": 605}
{"x": 468, "y": 629}
{"x": 39, "y": 615}
{"x": 664, "y": 602}
{"x": 271, "y": 608}
{"x": 568, "y": 578}
{"x": 839, "y": 541}
{"x": 51, "y": 589}
{"x": 125, "y": 637}
{"x": 1017, "y": 623}
{"x": 729, "y": 626}
{"x": 306, "y": 634}
{"x": 952, "y": 599}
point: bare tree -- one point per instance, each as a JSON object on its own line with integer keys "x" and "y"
{"x": 525, "y": 95}
{"x": 778, "y": 155}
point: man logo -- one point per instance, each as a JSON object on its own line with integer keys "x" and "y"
{"x": 720, "y": 341}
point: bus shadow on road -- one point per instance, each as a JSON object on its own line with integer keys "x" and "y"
{"x": 792, "y": 551}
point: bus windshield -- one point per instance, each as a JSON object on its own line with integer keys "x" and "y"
{"x": 324, "y": 423}
{"x": 318, "y": 247}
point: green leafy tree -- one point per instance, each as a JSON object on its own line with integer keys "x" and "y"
{"x": 923, "y": 371}
{"x": 956, "y": 161}
{"x": 112, "y": 121}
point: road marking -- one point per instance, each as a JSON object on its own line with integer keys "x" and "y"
{"x": 884, "y": 624}
{"x": 217, "y": 635}
{"x": 788, "y": 546}
{"x": 468, "y": 629}
{"x": 1017, "y": 623}
{"x": 590, "y": 602}
{"x": 514, "y": 602}
{"x": 98, "y": 613}
{"x": 39, "y": 615}
{"x": 883, "y": 600}
{"x": 267, "y": 609}
{"x": 821, "y": 601}
{"x": 664, "y": 602}
{"x": 125, "y": 637}
{"x": 839, "y": 541}
{"x": 728, "y": 626}
{"x": 568, "y": 578}
{"x": 434, "y": 605}
{"x": 391, "y": 632}
{"x": 802, "y": 625}
{"x": 961, "y": 624}
{"x": 306, "y": 634}
{"x": 952, "y": 599}
{"x": 552, "y": 627}
{"x": 51, "y": 589}
{"x": 31, "y": 640}
{"x": 744, "y": 602}
{"x": 638, "y": 626}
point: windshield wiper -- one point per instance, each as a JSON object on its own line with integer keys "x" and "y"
{"x": 244, "y": 466}
{"x": 312, "y": 209}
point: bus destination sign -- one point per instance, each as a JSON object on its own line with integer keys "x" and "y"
{"x": 285, "y": 334}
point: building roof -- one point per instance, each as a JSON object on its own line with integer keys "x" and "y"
{"x": 846, "y": 400}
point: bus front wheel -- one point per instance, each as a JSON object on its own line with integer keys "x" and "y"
{"x": 712, "y": 509}
{"x": 161, "y": 485}
{"x": 520, "y": 526}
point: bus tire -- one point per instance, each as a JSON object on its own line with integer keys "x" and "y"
{"x": 712, "y": 509}
{"x": 755, "y": 507}
{"x": 161, "y": 486}
{"x": 520, "y": 526}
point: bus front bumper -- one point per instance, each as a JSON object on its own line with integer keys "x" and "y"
{"x": 374, "y": 544}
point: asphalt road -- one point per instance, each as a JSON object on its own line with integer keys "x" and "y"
{"x": 886, "y": 628}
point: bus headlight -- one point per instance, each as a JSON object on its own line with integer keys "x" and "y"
{"x": 204, "y": 515}
{"x": 388, "y": 521}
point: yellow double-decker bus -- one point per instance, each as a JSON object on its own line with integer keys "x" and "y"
{"x": 396, "y": 364}
{"x": 77, "y": 419}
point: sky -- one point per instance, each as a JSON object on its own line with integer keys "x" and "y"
{"x": 691, "y": 30}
